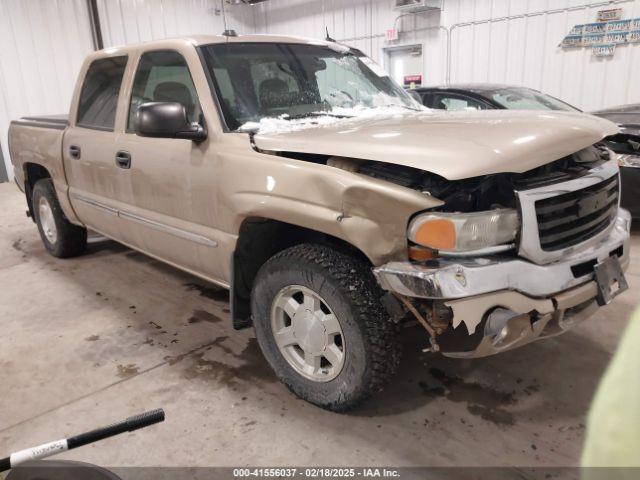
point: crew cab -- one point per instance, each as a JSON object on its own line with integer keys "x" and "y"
{"x": 334, "y": 207}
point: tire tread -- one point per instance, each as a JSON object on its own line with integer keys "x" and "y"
{"x": 355, "y": 280}
{"x": 72, "y": 239}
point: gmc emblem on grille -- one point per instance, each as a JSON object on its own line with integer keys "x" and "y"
{"x": 592, "y": 202}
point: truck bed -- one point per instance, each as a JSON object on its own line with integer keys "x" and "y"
{"x": 37, "y": 140}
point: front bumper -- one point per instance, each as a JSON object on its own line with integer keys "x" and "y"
{"x": 472, "y": 287}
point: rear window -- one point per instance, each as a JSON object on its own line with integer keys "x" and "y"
{"x": 99, "y": 95}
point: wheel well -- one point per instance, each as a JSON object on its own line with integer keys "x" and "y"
{"x": 258, "y": 241}
{"x": 32, "y": 173}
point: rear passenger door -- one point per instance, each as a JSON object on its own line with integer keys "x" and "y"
{"x": 96, "y": 188}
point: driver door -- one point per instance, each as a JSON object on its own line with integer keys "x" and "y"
{"x": 161, "y": 217}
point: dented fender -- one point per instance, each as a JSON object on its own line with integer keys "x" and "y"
{"x": 376, "y": 216}
{"x": 368, "y": 213}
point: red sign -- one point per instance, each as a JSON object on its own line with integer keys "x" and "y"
{"x": 391, "y": 35}
{"x": 412, "y": 80}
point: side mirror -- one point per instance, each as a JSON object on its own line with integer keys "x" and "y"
{"x": 166, "y": 120}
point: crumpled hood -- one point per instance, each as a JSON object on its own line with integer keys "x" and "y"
{"x": 454, "y": 145}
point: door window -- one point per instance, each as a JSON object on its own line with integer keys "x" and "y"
{"x": 163, "y": 77}
{"x": 99, "y": 95}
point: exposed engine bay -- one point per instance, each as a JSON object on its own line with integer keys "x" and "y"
{"x": 478, "y": 193}
{"x": 473, "y": 194}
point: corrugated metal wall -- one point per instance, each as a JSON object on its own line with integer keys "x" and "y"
{"x": 42, "y": 45}
{"x": 521, "y": 51}
{"x": 360, "y": 23}
{"x": 131, "y": 21}
{"x": 525, "y": 51}
{"x": 43, "y": 42}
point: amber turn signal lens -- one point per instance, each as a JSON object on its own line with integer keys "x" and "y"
{"x": 464, "y": 232}
{"x": 437, "y": 233}
{"x": 421, "y": 254}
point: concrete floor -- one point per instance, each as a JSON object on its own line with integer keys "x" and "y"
{"x": 92, "y": 340}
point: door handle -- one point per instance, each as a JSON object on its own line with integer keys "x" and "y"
{"x": 74, "y": 152}
{"x": 123, "y": 159}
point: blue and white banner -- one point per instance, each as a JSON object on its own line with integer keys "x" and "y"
{"x": 603, "y": 37}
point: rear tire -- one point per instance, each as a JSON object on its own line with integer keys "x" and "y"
{"x": 336, "y": 345}
{"x": 61, "y": 238}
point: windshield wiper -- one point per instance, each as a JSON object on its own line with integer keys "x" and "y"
{"x": 314, "y": 114}
{"x": 406, "y": 106}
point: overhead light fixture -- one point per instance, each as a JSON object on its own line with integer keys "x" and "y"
{"x": 415, "y": 6}
{"x": 244, "y": 2}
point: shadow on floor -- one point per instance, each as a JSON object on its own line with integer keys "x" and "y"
{"x": 552, "y": 378}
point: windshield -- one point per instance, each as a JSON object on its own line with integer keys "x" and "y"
{"x": 256, "y": 81}
{"x": 527, "y": 99}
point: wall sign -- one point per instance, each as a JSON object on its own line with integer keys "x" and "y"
{"x": 391, "y": 35}
{"x": 607, "y": 15}
{"x": 604, "y": 35}
{"x": 412, "y": 80}
{"x": 606, "y": 50}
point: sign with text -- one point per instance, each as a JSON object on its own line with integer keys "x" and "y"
{"x": 392, "y": 35}
{"x": 412, "y": 80}
{"x": 608, "y": 15}
{"x": 592, "y": 40}
{"x": 603, "y": 36}
{"x": 572, "y": 41}
{"x": 594, "y": 28}
{"x": 618, "y": 26}
{"x": 606, "y": 50}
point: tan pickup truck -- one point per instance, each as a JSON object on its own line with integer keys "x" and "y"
{"x": 334, "y": 208}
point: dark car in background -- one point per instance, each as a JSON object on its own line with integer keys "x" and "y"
{"x": 481, "y": 96}
{"x": 487, "y": 97}
{"x": 627, "y": 145}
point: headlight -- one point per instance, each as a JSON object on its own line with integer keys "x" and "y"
{"x": 464, "y": 232}
{"x": 626, "y": 160}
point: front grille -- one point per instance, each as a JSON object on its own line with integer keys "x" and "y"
{"x": 574, "y": 217}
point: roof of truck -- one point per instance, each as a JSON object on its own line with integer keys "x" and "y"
{"x": 197, "y": 40}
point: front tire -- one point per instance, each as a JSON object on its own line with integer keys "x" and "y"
{"x": 60, "y": 237}
{"x": 321, "y": 326}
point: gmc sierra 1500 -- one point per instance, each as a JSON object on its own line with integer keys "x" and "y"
{"x": 334, "y": 208}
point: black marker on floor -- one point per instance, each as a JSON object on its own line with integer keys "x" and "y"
{"x": 52, "y": 448}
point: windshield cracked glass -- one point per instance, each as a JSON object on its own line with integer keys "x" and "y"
{"x": 262, "y": 83}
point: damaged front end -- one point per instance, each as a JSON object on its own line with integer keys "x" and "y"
{"x": 496, "y": 260}
{"x": 556, "y": 250}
